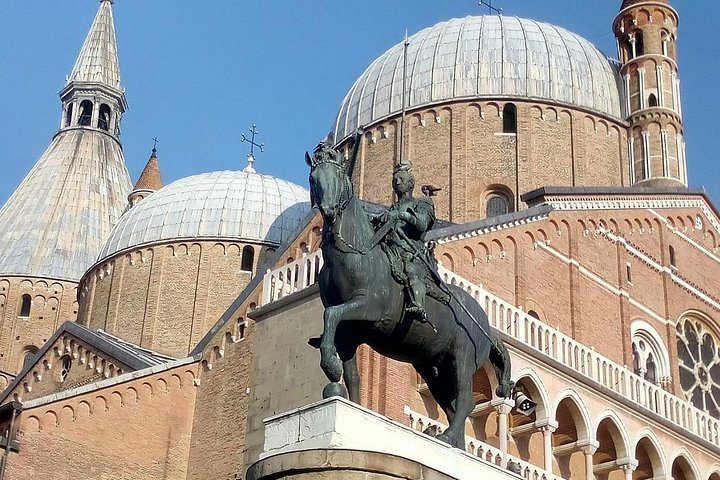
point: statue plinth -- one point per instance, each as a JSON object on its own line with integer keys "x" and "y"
{"x": 335, "y": 438}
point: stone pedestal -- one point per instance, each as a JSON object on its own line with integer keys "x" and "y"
{"x": 337, "y": 439}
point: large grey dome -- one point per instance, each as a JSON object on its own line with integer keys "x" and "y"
{"x": 486, "y": 56}
{"x": 219, "y": 205}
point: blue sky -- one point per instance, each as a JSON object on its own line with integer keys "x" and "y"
{"x": 198, "y": 74}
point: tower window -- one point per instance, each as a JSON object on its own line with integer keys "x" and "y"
{"x": 248, "y": 259}
{"x": 652, "y": 100}
{"x": 510, "y": 118}
{"x": 104, "y": 117}
{"x": 26, "y": 304}
{"x": 639, "y": 45}
{"x": 86, "y": 108}
{"x": 68, "y": 115}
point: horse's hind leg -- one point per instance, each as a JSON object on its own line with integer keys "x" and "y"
{"x": 500, "y": 359}
{"x": 461, "y": 405}
{"x": 351, "y": 376}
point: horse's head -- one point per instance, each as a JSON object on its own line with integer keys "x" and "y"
{"x": 330, "y": 187}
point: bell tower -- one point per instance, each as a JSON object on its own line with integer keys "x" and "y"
{"x": 646, "y": 33}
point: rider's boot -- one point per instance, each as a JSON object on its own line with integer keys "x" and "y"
{"x": 417, "y": 299}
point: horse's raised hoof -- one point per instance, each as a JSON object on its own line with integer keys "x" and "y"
{"x": 334, "y": 389}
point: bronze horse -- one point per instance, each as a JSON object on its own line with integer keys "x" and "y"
{"x": 364, "y": 304}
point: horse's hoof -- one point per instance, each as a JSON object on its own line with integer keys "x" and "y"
{"x": 334, "y": 389}
{"x": 444, "y": 438}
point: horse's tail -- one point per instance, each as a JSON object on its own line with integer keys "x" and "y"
{"x": 500, "y": 359}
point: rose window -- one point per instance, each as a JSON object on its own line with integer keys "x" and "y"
{"x": 699, "y": 357}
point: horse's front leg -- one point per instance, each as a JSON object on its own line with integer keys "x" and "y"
{"x": 329, "y": 361}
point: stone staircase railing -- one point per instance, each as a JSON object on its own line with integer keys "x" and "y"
{"x": 544, "y": 340}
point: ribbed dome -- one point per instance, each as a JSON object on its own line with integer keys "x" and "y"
{"x": 486, "y": 56}
{"x": 234, "y": 205}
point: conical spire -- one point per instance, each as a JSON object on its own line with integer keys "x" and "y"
{"x": 150, "y": 181}
{"x": 150, "y": 178}
{"x": 57, "y": 220}
{"x": 98, "y": 59}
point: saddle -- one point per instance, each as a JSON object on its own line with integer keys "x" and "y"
{"x": 432, "y": 278}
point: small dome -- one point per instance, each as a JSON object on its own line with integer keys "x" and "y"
{"x": 221, "y": 205}
{"x": 485, "y": 56}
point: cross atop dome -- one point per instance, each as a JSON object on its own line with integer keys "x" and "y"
{"x": 251, "y": 155}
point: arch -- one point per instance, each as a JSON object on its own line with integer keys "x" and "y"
{"x": 247, "y": 261}
{"x": 652, "y": 100}
{"x": 447, "y": 262}
{"x": 649, "y": 350}
{"x": 612, "y": 437}
{"x": 498, "y": 200}
{"x": 65, "y": 364}
{"x": 684, "y": 467}
{"x": 536, "y": 390}
{"x": 578, "y": 413}
{"x": 28, "y": 356}
{"x": 86, "y": 109}
{"x": 650, "y": 456}
{"x": 104, "y": 117}
{"x": 672, "y": 258}
{"x": 510, "y": 118}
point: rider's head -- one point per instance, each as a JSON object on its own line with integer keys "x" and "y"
{"x": 403, "y": 180}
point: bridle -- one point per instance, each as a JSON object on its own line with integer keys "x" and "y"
{"x": 346, "y": 195}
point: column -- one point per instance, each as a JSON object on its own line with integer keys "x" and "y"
{"x": 628, "y": 467}
{"x": 547, "y": 430}
{"x": 503, "y": 406}
{"x": 588, "y": 447}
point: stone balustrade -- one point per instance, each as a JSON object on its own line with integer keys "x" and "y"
{"x": 480, "y": 449}
{"x": 544, "y": 342}
{"x": 293, "y": 277}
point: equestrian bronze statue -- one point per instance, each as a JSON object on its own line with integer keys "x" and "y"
{"x": 369, "y": 287}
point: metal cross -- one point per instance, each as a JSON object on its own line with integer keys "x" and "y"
{"x": 155, "y": 142}
{"x": 251, "y": 141}
{"x": 489, "y": 4}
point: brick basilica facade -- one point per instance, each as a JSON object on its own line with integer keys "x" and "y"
{"x": 156, "y": 350}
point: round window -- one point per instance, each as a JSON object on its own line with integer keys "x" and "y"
{"x": 699, "y": 357}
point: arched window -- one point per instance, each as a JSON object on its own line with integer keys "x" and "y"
{"x": 28, "y": 356}
{"x": 509, "y": 118}
{"x": 248, "y": 258}
{"x": 650, "y": 357}
{"x": 25, "y": 306}
{"x": 699, "y": 360}
{"x": 652, "y": 100}
{"x": 68, "y": 115}
{"x": 673, "y": 260}
{"x": 104, "y": 117}
{"x": 86, "y": 108}
{"x": 498, "y": 202}
{"x": 639, "y": 45}
{"x": 65, "y": 366}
